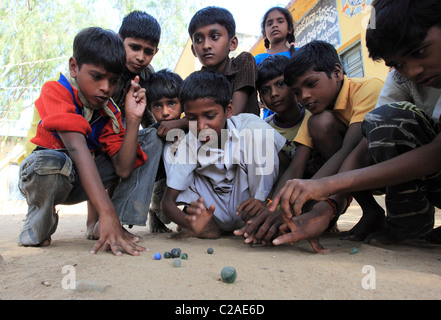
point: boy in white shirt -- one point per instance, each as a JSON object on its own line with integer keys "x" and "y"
{"x": 223, "y": 161}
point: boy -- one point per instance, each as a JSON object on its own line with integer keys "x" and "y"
{"x": 83, "y": 148}
{"x": 286, "y": 119}
{"x": 337, "y": 106}
{"x": 407, "y": 37}
{"x": 140, "y": 33}
{"x": 213, "y": 34}
{"x": 280, "y": 99}
{"x": 162, "y": 92}
{"x": 215, "y": 168}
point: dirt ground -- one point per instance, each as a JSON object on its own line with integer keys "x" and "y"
{"x": 406, "y": 271}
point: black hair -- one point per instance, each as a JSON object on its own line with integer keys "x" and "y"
{"x": 163, "y": 83}
{"x": 270, "y": 68}
{"x": 212, "y": 15}
{"x": 206, "y": 84}
{"x": 396, "y": 25}
{"x": 317, "y": 55}
{"x": 139, "y": 24}
{"x": 100, "y": 47}
{"x": 290, "y": 38}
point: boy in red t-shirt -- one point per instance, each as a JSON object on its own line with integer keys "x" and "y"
{"x": 83, "y": 148}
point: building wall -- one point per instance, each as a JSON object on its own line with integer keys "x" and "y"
{"x": 340, "y": 22}
{"x": 187, "y": 62}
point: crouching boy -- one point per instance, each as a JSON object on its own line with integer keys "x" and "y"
{"x": 83, "y": 148}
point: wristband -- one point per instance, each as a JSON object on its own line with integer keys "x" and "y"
{"x": 269, "y": 202}
{"x": 333, "y": 204}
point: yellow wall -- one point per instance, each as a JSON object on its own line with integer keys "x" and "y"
{"x": 187, "y": 62}
{"x": 351, "y": 31}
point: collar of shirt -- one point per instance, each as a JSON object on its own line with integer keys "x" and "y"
{"x": 343, "y": 95}
{"x": 230, "y": 68}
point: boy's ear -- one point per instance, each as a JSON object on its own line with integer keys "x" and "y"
{"x": 194, "y": 51}
{"x": 234, "y": 42}
{"x": 73, "y": 67}
{"x": 229, "y": 110}
{"x": 338, "y": 72}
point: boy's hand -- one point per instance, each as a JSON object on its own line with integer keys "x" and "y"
{"x": 112, "y": 237}
{"x": 261, "y": 229}
{"x": 166, "y": 125}
{"x": 198, "y": 215}
{"x": 136, "y": 101}
{"x": 308, "y": 226}
{"x": 250, "y": 208}
{"x": 295, "y": 193}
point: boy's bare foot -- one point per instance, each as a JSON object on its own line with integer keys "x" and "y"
{"x": 383, "y": 237}
{"x": 91, "y": 232}
{"x": 156, "y": 225}
{"x": 434, "y": 236}
{"x": 44, "y": 243}
{"x": 372, "y": 221}
{"x": 211, "y": 231}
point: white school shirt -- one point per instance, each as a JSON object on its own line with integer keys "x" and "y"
{"x": 226, "y": 177}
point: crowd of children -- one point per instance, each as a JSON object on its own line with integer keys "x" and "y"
{"x": 142, "y": 145}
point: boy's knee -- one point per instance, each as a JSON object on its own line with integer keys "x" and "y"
{"x": 46, "y": 173}
{"x": 148, "y": 138}
{"x": 399, "y": 121}
{"x": 324, "y": 126}
{"x": 397, "y": 128}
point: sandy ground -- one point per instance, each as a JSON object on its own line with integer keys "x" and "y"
{"x": 407, "y": 271}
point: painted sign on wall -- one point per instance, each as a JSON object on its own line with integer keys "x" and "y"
{"x": 352, "y": 8}
{"x": 320, "y": 23}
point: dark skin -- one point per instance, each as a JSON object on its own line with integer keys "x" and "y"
{"x": 334, "y": 141}
{"x": 405, "y": 167}
{"x": 373, "y": 218}
{"x": 197, "y": 221}
{"x": 97, "y": 81}
{"x": 262, "y": 225}
{"x": 212, "y": 45}
{"x": 420, "y": 63}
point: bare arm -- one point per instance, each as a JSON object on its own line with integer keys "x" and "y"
{"x": 265, "y": 225}
{"x": 124, "y": 160}
{"x": 111, "y": 233}
{"x": 166, "y": 126}
{"x": 352, "y": 138}
{"x": 409, "y": 166}
{"x": 296, "y": 167}
{"x": 240, "y": 98}
{"x": 171, "y": 210}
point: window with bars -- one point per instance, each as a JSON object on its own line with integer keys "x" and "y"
{"x": 352, "y": 60}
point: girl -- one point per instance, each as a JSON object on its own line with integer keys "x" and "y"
{"x": 278, "y": 32}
